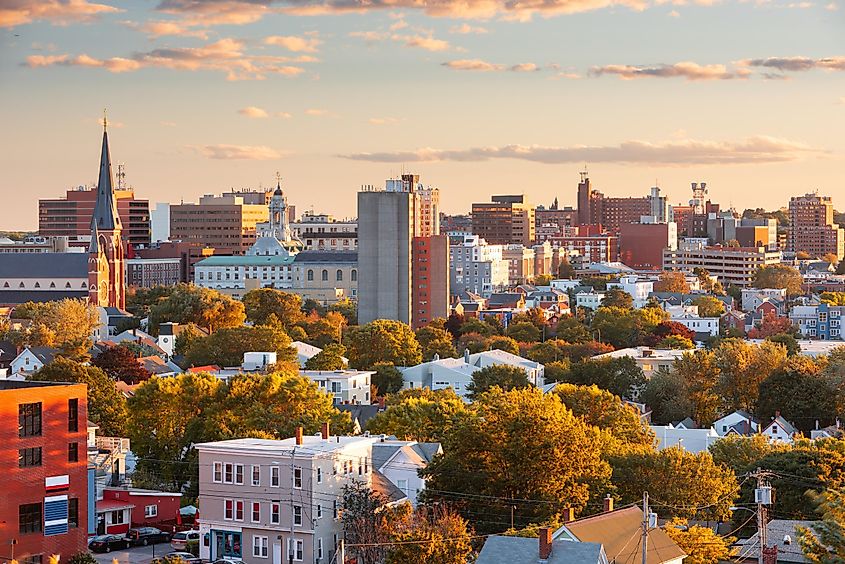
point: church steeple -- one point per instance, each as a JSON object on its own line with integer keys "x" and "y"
{"x": 105, "y": 210}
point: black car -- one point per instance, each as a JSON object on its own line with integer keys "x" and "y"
{"x": 107, "y": 543}
{"x": 147, "y": 535}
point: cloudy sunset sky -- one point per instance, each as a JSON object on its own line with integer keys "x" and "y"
{"x": 477, "y": 96}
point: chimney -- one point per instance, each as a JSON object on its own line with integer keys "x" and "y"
{"x": 568, "y": 515}
{"x": 299, "y": 435}
{"x": 466, "y": 356}
{"x": 777, "y": 413}
{"x": 545, "y": 543}
{"x": 324, "y": 431}
{"x": 608, "y": 504}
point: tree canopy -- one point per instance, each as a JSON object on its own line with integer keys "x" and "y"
{"x": 420, "y": 415}
{"x": 67, "y": 325}
{"x": 435, "y": 341}
{"x": 204, "y": 307}
{"x": 504, "y": 376}
{"x": 382, "y": 340}
{"x": 779, "y": 276}
{"x": 672, "y": 282}
{"x": 120, "y": 363}
{"x": 226, "y": 347}
{"x": 261, "y": 303}
{"x": 620, "y": 376}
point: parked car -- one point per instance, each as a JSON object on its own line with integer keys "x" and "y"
{"x": 186, "y": 557}
{"x": 147, "y": 535}
{"x": 107, "y": 543}
{"x": 179, "y": 541}
{"x": 228, "y": 561}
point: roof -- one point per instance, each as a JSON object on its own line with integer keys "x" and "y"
{"x": 500, "y": 549}
{"x": 105, "y": 209}
{"x": 777, "y": 529}
{"x": 615, "y": 528}
{"x": 788, "y": 427}
{"x": 327, "y": 256}
{"x": 384, "y": 451}
{"x": 204, "y": 368}
{"x": 502, "y": 357}
{"x": 8, "y": 352}
{"x": 104, "y": 505}
{"x": 157, "y": 365}
{"x": 44, "y": 265}
{"x": 246, "y": 260}
{"x": 311, "y": 446}
{"x": 360, "y": 412}
{"x": 44, "y": 354}
{"x": 383, "y": 486}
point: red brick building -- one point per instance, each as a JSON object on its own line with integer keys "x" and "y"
{"x": 45, "y": 484}
{"x": 430, "y": 279}
{"x": 141, "y": 508}
{"x": 641, "y": 244}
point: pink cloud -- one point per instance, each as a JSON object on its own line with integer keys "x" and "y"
{"x": 19, "y": 12}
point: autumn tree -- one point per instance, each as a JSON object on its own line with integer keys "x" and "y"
{"x": 577, "y": 352}
{"x": 624, "y": 328}
{"x": 699, "y": 375}
{"x": 475, "y": 325}
{"x": 347, "y": 308}
{"x": 502, "y": 343}
{"x": 67, "y": 325}
{"x": 330, "y": 358}
{"x": 139, "y": 301}
{"x": 429, "y": 535}
{"x": 556, "y": 371}
{"x": 120, "y": 363}
{"x": 106, "y": 406}
{"x": 502, "y": 375}
{"x": 617, "y": 297}
{"x": 421, "y": 414}
{"x": 260, "y": 303}
{"x": 779, "y": 276}
{"x": 666, "y": 329}
{"x": 547, "y": 351}
{"x": 740, "y": 453}
{"x": 823, "y": 542}
{"x": 387, "y": 378}
{"x": 365, "y": 521}
{"x": 620, "y": 376}
{"x": 226, "y": 347}
{"x": 701, "y": 544}
{"x": 323, "y": 329}
{"x": 435, "y": 341}
{"x": 770, "y": 325}
{"x": 382, "y": 340}
{"x": 833, "y": 298}
{"x": 555, "y": 459}
{"x": 681, "y": 483}
{"x": 204, "y": 307}
{"x": 571, "y": 330}
{"x": 523, "y": 331}
{"x": 743, "y": 368}
{"x": 473, "y": 342}
{"x": 801, "y": 393}
{"x": 672, "y": 282}
{"x": 708, "y": 306}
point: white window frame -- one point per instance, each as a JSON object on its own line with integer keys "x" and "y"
{"x": 297, "y": 515}
{"x": 275, "y": 513}
{"x": 318, "y": 511}
{"x": 217, "y": 473}
{"x": 228, "y": 473}
{"x": 297, "y": 547}
{"x": 256, "y": 475}
{"x": 274, "y": 477}
{"x": 319, "y": 475}
{"x": 252, "y": 511}
{"x": 320, "y": 549}
{"x": 239, "y": 503}
{"x": 297, "y": 478}
{"x": 239, "y": 474}
{"x": 150, "y": 511}
{"x": 259, "y": 546}
{"x": 228, "y": 509}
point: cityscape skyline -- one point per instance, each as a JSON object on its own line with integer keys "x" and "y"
{"x": 204, "y": 97}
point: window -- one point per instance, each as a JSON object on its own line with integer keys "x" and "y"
{"x": 228, "y": 509}
{"x": 319, "y": 475}
{"x": 256, "y": 512}
{"x": 73, "y": 415}
{"x": 339, "y": 275}
{"x": 73, "y": 452}
{"x": 318, "y": 510}
{"x": 354, "y": 275}
{"x": 29, "y": 457}
{"x": 34, "y": 559}
{"x": 117, "y": 517}
{"x": 274, "y": 476}
{"x": 297, "y": 515}
{"x": 239, "y": 510}
{"x": 360, "y": 468}
{"x": 256, "y": 475}
{"x": 218, "y": 472}
{"x": 319, "y": 549}
{"x": 150, "y": 511}
{"x": 297, "y": 478}
{"x": 73, "y": 513}
{"x": 325, "y": 275}
{"x": 334, "y": 509}
{"x": 29, "y": 517}
{"x": 259, "y": 546}
{"x": 29, "y": 420}
{"x": 310, "y": 275}
{"x": 239, "y": 474}
{"x": 228, "y": 473}
{"x": 295, "y": 549}
{"x": 274, "y": 513}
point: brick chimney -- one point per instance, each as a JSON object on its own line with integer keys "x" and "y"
{"x": 568, "y": 515}
{"x": 324, "y": 431}
{"x": 299, "y": 435}
{"x": 545, "y": 543}
{"x": 608, "y": 504}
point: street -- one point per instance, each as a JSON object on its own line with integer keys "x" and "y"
{"x": 134, "y": 555}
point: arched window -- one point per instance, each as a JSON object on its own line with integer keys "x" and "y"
{"x": 6, "y": 285}
{"x": 310, "y": 275}
{"x": 21, "y": 285}
{"x": 339, "y": 275}
{"x": 325, "y": 275}
{"x": 67, "y": 284}
{"x": 37, "y": 284}
{"x": 52, "y": 284}
{"x": 354, "y": 275}
{"x": 84, "y": 285}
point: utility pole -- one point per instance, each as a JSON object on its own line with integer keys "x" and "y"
{"x": 646, "y": 520}
{"x": 342, "y": 552}
{"x": 763, "y": 498}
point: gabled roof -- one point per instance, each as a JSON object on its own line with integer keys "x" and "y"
{"x": 615, "y": 529}
{"x": 45, "y": 265}
{"x": 44, "y": 354}
{"x": 383, "y": 486}
{"x": 157, "y": 365}
{"x": 360, "y": 412}
{"x": 499, "y": 549}
{"x": 788, "y": 427}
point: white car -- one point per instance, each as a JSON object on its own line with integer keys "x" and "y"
{"x": 179, "y": 541}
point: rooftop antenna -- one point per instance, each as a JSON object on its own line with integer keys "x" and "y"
{"x": 105, "y": 120}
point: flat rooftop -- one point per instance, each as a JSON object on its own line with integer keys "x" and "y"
{"x": 311, "y": 445}
{"x": 23, "y": 384}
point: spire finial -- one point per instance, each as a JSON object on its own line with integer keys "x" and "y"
{"x": 105, "y": 120}
{"x": 278, "y": 179}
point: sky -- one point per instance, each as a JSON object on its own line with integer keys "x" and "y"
{"x": 478, "y": 97}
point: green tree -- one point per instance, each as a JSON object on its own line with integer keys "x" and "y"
{"x": 106, "y": 406}
{"x": 348, "y": 309}
{"x": 523, "y": 332}
{"x": 547, "y": 351}
{"x": 204, "y": 307}
{"x": 681, "y": 484}
{"x": 743, "y": 368}
{"x": 188, "y": 334}
{"x": 167, "y": 417}
{"x": 501, "y": 343}
{"x": 624, "y": 328}
{"x": 120, "y": 363}
{"x": 801, "y": 393}
{"x": 387, "y": 379}
{"x": 226, "y": 347}
{"x": 672, "y": 282}
{"x": 620, "y": 376}
{"x": 665, "y": 394}
{"x": 501, "y": 375}
{"x": 520, "y": 444}
{"x": 420, "y": 415}
{"x": 556, "y": 371}
{"x": 260, "y": 303}
{"x": 67, "y": 325}
{"x": 708, "y": 306}
{"x": 330, "y": 358}
{"x": 274, "y": 405}
{"x": 382, "y": 340}
{"x": 435, "y": 341}
{"x": 698, "y": 374}
{"x": 616, "y": 297}
{"x": 473, "y": 342}
{"x": 740, "y": 453}
{"x": 701, "y": 544}
{"x": 779, "y": 276}
{"x": 475, "y": 325}
{"x": 571, "y": 330}
{"x": 606, "y": 411}
{"x": 577, "y": 352}
{"x": 824, "y": 541}
{"x": 788, "y": 341}
{"x": 139, "y": 301}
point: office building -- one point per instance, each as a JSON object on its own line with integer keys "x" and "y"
{"x": 730, "y": 265}
{"x": 594, "y": 208}
{"x": 475, "y": 266}
{"x": 151, "y": 272}
{"x": 322, "y": 232}
{"x": 641, "y": 244}
{"x": 505, "y": 220}
{"x": 811, "y": 227}
{"x": 521, "y": 262}
{"x": 45, "y": 507}
{"x": 430, "y": 276}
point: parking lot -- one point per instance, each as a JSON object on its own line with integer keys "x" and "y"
{"x": 134, "y": 555}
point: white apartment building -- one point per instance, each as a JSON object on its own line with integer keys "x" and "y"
{"x": 589, "y": 300}
{"x": 693, "y": 322}
{"x": 323, "y": 232}
{"x": 477, "y": 267}
{"x": 649, "y": 360}
{"x": 401, "y": 461}
{"x": 274, "y": 502}
{"x": 639, "y": 288}
{"x": 345, "y": 386}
